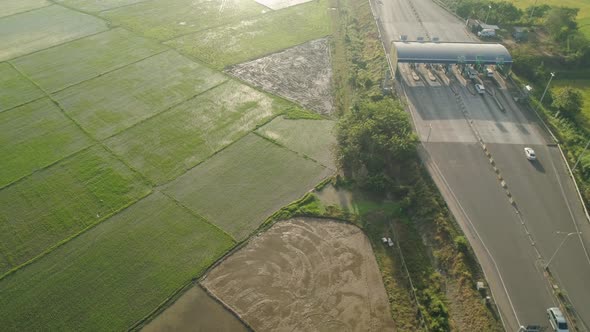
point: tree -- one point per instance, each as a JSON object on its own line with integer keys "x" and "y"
{"x": 375, "y": 136}
{"x": 568, "y": 101}
{"x": 504, "y": 12}
{"x": 561, "y": 22}
{"x": 537, "y": 11}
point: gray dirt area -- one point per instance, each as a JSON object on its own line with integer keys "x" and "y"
{"x": 302, "y": 74}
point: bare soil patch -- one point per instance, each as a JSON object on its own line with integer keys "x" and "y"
{"x": 302, "y": 74}
{"x": 195, "y": 310}
{"x": 305, "y": 275}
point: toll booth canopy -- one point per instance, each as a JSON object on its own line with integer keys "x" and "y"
{"x": 451, "y": 53}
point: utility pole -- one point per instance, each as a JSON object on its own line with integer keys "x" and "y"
{"x": 580, "y": 157}
{"x": 559, "y": 247}
{"x": 547, "y": 87}
{"x": 488, "y": 15}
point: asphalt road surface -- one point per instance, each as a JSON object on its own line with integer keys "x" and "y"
{"x": 513, "y": 241}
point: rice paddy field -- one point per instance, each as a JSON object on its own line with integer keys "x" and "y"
{"x": 75, "y": 287}
{"x": 166, "y": 19}
{"x": 60, "y": 201}
{"x": 17, "y": 89}
{"x": 130, "y": 162}
{"x": 249, "y": 39}
{"x": 15, "y": 7}
{"x": 34, "y": 136}
{"x": 134, "y": 93}
{"x": 171, "y": 143}
{"x": 93, "y": 56}
{"x": 314, "y": 139}
{"x": 35, "y": 30}
{"x": 237, "y": 190}
{"x": 96, "y": 6}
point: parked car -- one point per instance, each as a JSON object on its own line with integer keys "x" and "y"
{"x": 480, "y": 89}
{"x": 557, "y": 320}
{"x": 530, "y": 153}
{"x": 487, "y": 33}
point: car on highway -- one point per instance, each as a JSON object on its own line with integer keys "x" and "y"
{"x": 530, "y": 153}
{"x": 480, "y": 89}
{"x": 557, "y": 320}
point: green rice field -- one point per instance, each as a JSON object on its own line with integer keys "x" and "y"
{"x": 252, "y": 38}
{"x": 115, "y": 274}
{"x": 15, "y": 89}
{"x": 108, "y": 104}
{"x": 9, "y": 7}
{"x": 171, "y": 143}
{"x": 312, "y": 138}
{"x": 241, "y": 186}
{"x": 128, "y": 166}
{"x": 45, "y": 27}
{"x": 60, "y": 201}
{"x": 165, "y": 19}
{"x": 97, "y": 5}
{"x": 39, "y": 135}
{"x": 92, "y": 56}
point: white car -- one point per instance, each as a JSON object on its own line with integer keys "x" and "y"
{"x": 557, "y": 320}
{"x": 480, "y": 89}
{"x": 530, "y": 154}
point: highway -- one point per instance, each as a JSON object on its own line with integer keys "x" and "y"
{"x": 515, "y": 215}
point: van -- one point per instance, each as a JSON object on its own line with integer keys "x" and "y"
{"x": 489, "y": 72}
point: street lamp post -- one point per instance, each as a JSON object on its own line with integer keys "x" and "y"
{"x": 559, "y": 247}
{"x": 488, "y": 15}
{"x": 580, "y": 157}
{"x": 546, "y": 88}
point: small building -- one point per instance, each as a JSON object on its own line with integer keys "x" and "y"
{"x": 520, "y": 33}
{"x": 477, "y": 26}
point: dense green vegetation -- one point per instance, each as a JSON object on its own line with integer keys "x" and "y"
{"x": 376, "y": 138}
{"x": 115, "y": 274}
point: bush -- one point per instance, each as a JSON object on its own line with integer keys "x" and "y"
{"x": 461, "y": 244}
{"x": 568, "y": 101}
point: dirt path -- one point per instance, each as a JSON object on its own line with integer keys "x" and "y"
{"x": 305, "y": 275}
